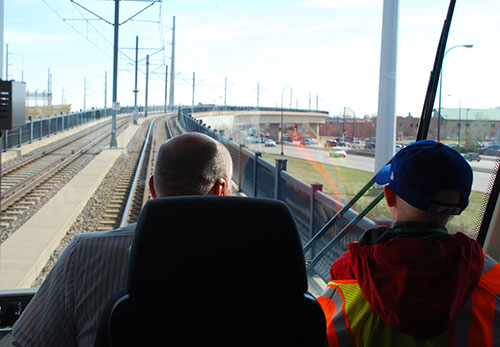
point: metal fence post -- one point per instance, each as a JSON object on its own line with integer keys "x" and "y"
{"x": 19, "y": 136}
{"x": 257, "y": 155}
{"x": 279, "y": 166}
{"x": 31, "y": 129}
{"x": 314, "y": 188}
{"x": 240, "y": 184}
{"x": 5, "y": 140}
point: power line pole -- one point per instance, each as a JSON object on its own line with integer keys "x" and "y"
{"x": 147, "y": 82}
{"x": 49, "y": 88}
{"x": 225, "y": 90}
{"x": 7, "y": 62}
{"x": 194, "y": 82}
{"x": 105, "y": 89}
{"x": 258, "y": 91}
{"x": 135, "y": 112}
{"x": 116, "y": 25}
{"x": 172, "y": 69}
{"x": 84, "y": 93}
{"x": 166, "y": 86}
{"x": 113, "y": 143}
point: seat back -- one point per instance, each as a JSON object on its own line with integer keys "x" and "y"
{"x": 218, "y": 270}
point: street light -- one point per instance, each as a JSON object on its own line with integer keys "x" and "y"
{"x": 281, "y": 131}
{"x": 441, "y": 84}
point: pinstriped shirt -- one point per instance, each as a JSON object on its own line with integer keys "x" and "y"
{"x": 66, "y": 309}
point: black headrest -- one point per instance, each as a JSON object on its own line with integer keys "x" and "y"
{"x": 201, "y": 245}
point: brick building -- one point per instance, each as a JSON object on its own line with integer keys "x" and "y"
{"x": 464, "y": 125}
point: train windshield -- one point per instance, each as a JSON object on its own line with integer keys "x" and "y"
{"x": 295, "y": 89}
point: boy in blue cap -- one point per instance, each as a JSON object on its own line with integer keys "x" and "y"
{"x": 414, "y": 283}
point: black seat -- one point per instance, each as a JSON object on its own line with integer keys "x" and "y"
{"x": 221, "y": 271}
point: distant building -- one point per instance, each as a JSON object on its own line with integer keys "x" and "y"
{"x": 48, "y": 110}
{"x": 467, "y": 124}
{"x": 464, "y": 125}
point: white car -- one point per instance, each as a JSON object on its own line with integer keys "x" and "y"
{"x": 270, "y": 143}
{"x": 356, "y": 144}
{"x": 337, "y": 152}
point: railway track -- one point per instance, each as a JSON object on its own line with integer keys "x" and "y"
{"x": 28, "y": 183}
{"x": 131, "y": 191}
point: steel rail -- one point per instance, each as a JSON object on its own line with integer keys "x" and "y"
{"x": 138, "y": 171}
{"x": 13, "y": 194}
{"x": 51, "y": 149}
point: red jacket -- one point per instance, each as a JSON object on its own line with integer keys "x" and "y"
{"x": 415, "y": 278}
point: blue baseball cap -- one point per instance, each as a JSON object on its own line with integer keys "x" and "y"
{"x": 421, "y": 170}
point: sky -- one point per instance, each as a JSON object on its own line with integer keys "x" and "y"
{"x": 325, "y": 50}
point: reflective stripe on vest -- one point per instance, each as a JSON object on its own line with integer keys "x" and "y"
{"x": 354, "y": 321}
{"x": 364, "y": 325}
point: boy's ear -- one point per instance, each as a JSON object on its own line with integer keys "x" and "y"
{"x": 390, "y": 197}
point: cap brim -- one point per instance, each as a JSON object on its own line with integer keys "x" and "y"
{"x": 384, "y": 175}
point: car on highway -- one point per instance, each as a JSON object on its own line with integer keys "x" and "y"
{"x": 331, "y": 143}
{"x": 337, "y": 152}
{"x": 470, "y": 156}
{"x": 370, "y": 145}
{"x": 355, "y": 144}
{"x": 491, "y": 149}
{"x": 270, "y": 143}
{"x": 306, "y": 141}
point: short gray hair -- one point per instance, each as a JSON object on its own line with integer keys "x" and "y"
{"x": 191, "y": 164}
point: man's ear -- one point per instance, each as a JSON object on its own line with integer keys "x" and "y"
{"x": 221, "y": 187}
{"x": 152, "y": 187}
{"x": 390, "y": 197}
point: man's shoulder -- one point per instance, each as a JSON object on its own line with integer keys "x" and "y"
{"x": 122, "y": 232}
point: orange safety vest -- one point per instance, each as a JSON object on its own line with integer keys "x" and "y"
{"x": 352, "y": 322}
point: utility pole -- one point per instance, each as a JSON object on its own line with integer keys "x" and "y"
{"x": 258, "y": 91}
{"x": 116, "y": 24}
{"x": 84, "y": 93}
{"x": 135, "y": 112}
{"x": 194, "y": 82}
{"x": 172, "y": 69}
{"x": 166, "y": 86}
{"x": 105, "y": 89}
{"x": 113, "y": 143}
{"x": 225, "y": 90}
{"x": 147, "y": 82}
{"x": 7, "y": 62}
{"x": 49, "y": 88}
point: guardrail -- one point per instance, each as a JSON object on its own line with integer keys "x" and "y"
{"x": 45, "y": 126}
{"x": 310, "y": 207}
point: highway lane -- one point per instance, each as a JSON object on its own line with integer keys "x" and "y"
{"x": 316, "y": 153}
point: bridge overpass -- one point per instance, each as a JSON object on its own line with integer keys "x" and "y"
{"x": 266, "y": 120}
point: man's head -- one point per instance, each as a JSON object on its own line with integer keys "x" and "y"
{"x": 427, "y": 182}
{"x": 191, "y": 164}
